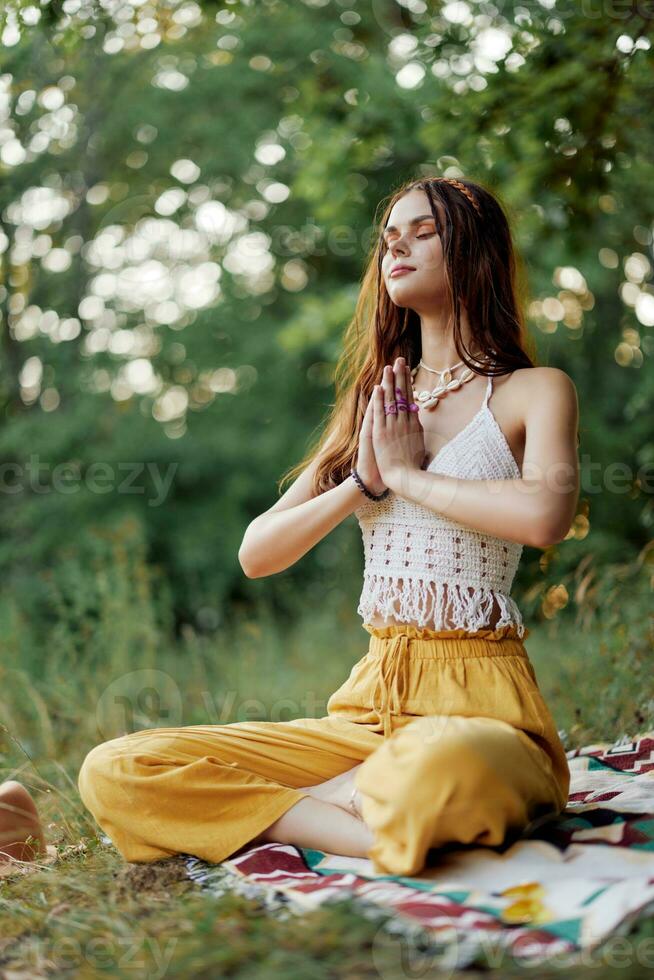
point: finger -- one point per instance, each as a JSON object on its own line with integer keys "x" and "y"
{"x": 366, "y": 426}
{"x": 399, "y": 381}
{"x": 378, "y": 418}
{"x": 413, "y": 416}
{"x": 388, "y": 385}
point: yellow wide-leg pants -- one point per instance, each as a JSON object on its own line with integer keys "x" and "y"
{"x": 456, "y": 743}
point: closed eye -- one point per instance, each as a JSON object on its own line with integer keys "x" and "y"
{"x": 385, "y": 243}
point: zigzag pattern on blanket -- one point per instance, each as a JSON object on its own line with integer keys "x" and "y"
{"x": 568, "y": 884}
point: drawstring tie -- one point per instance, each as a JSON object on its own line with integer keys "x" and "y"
{"x": 391, "y": 682}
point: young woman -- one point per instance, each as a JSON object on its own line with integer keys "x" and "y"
{"x": 453, "y": 451}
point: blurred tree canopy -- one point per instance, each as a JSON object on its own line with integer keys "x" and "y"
{"x": 187, "y": 197}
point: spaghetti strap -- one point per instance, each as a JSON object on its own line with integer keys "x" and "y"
{"x": 489, "y": 387}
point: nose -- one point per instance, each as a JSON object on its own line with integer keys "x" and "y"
{"x": 399, "y": 247}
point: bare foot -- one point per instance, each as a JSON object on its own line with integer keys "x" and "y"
{"x": 21, "y": 832}
{"x": 340, "y": 791}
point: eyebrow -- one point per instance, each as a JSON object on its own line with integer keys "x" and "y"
{"x": 413, "y": 221}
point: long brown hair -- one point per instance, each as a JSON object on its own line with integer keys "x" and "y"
{"x": 482, "y": 270}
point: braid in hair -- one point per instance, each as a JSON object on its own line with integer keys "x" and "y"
{"x": 464, "y": 190}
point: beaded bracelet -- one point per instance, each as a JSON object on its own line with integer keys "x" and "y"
{"x": 364, "y": 489}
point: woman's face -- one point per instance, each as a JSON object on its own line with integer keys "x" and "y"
{"x": 415, "y": 243}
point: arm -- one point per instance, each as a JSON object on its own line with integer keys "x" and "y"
{"x": 536, "y": 509}
{"x": 295, "y": 523}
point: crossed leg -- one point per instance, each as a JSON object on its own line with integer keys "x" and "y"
{"x": 209, "y": 790}
{"x": 450, "y": 779}
{"x": 335, "y": 835}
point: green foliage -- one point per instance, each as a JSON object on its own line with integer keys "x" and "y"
{"x": 224, "y": 390}
{"x": 156, "y": 402}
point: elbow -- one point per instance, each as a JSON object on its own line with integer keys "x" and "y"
{"x": 545, "y": 534}
{"x": 552, "y": 519}
{"x": 256, "y": 556}
{"x": 245, "y": 558}
{"x": 246, "y": 563}
{"x": 247, "y": 570}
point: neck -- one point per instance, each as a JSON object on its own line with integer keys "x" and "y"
{"x": 437, "y": 340}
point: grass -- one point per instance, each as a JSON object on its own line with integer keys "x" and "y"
{"x": 110, "y": 666}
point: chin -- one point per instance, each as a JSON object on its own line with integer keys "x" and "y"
{"x": 402, "y": 297}
{"x": 412, "y": 301}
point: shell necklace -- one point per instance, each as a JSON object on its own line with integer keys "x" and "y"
{"x": 429, "y": 399}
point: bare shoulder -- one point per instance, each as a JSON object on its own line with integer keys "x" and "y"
{"x": 543, "y": 384}
{"x": 548, "y": 401}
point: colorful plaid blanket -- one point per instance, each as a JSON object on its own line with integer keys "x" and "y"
{"x": 567, "y": 885}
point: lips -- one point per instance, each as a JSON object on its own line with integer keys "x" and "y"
{"x": 400, "y": 270}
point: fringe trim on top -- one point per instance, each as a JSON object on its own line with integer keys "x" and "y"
{"x": 452, "y": 606}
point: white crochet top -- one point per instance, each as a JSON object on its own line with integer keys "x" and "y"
{"x": 422, "y": 567}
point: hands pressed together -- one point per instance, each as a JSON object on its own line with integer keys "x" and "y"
{"x": 391, "y": 442}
